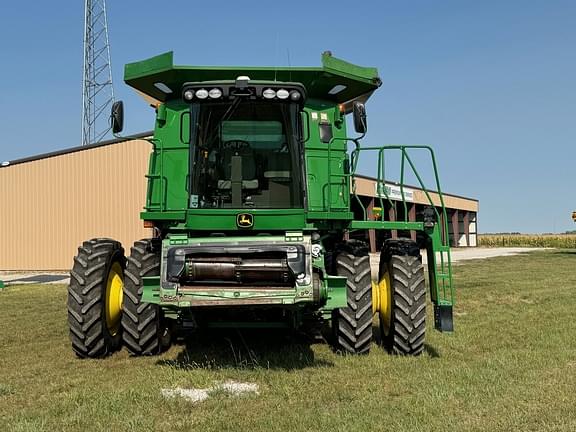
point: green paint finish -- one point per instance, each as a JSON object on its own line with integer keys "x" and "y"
{"x": 440, "y": 269}
{"x": 387, "y": 225}
{"x": 336, "y": 292}
{"x": 185, "y": 297}
{"x": 358, "y": 81}
{"x": 163, "y": 215}
{"x": 316, "y": 129}
{"x": 327, "y": 185}
{"x": 169, "y": 166}
{"x": 264, "y": 219}
{"x": 237, "y": 297}
{"x": 151, "y": 289}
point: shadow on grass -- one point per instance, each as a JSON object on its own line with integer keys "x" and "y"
{"x": 431, "y": 351}
{"x": 245, "y": 349}
{"x": 377, "y": 338}
{"x": 565, "y": 252}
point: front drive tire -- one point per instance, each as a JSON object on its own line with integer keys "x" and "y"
{"x": 95, "y": 298}
{"x": 352, "y": 325}
{"x": 403, "y": 330}
{"x": 144, "y": 332}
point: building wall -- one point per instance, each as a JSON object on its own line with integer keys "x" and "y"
{"x": 367, "y": 187}
{"x": 50, "y": 205}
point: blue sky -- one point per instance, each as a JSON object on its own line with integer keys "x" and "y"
{"x": 490, "y": 85}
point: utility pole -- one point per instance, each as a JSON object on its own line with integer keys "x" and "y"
{"x": 97, "y": 89}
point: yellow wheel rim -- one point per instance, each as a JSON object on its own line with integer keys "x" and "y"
{"x": 382, "y": 302}
{"x": 113, "y": 300}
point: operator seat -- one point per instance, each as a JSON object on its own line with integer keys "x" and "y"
{"x": 249, "y": 180}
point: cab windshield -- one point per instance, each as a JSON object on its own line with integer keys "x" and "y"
{"x": 245, "y": 154}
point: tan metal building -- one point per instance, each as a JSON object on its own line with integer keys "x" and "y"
{"x": 50, "y": 203}
{"x": 53, "y": 202}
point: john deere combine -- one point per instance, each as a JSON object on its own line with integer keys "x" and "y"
{"x": 252, "y": 197}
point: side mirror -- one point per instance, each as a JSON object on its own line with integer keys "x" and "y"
{"x": 360, "y": 118}
{"x": 117, "y": 117}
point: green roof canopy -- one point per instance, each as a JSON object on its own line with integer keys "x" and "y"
{"x": 359, "y": 82}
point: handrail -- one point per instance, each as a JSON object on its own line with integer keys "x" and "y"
{"x": 381, "y": 181}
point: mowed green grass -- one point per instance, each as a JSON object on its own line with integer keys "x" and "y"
{"x": 510, "y": 366}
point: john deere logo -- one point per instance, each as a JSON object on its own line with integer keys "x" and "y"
{"x": 245, "y": 220}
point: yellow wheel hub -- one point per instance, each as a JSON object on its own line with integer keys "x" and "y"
{"x": 113, "y": 299}
{"x": 382, "y": 301}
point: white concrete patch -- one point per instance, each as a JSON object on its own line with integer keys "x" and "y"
{"x": 193, "y": 395}
{"x": 198, "y": 395}
{"x": 238, "y": 388}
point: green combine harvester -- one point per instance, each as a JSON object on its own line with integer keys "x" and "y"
{"x": 252, "y": 200}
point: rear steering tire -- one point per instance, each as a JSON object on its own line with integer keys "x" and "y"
{"x": 95, "y": 298}
{"x": 352, "y": 325}
{"x": 145, "y": 332}
{"x": 403, "y": 329}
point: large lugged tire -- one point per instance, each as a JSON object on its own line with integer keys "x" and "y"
{"x": 404, "y": 328}
{"x": 144, "y": 332}
{"x": 95, "y": 298}
{"x": 352, "y": 325}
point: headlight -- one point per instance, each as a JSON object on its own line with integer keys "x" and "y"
{"x": 189, "y": 95}
{"x": 202, "y": 94}
{"x": 215, "y": 93}
{"x": 295, "y": 95}
{"x": 269, "y": 94}
{"x": 282, "y": 94}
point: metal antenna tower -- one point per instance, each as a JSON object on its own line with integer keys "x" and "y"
{"x": 98, "y": 92}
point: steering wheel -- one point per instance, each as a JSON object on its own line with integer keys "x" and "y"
{"x": 235, "y": 144}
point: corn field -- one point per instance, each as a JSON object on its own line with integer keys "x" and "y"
{"x": 565, "y": 241}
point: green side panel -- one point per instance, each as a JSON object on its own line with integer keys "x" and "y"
{"x": 325, "y": 195}
{"x": 337, "y": 294}
{"x": 151, "y": 291}
{"x": 327, "y": 185}
{"x": 168, "y": 168}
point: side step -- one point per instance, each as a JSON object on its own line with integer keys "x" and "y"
{"x": 443, "y": 320}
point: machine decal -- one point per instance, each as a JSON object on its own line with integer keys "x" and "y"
{"x": 245, "y": 220}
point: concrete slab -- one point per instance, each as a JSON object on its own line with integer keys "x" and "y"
{"x": 462, "y": 254}
{"x": 458, "y": 255}
{"x": 28, "y": 278}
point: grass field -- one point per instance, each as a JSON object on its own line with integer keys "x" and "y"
{"x": 510, "y": 366}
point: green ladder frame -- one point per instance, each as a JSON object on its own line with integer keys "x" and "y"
{"x": 438, "y": 250}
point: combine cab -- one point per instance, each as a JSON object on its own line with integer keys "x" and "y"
{"x": 251, "y": 185}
